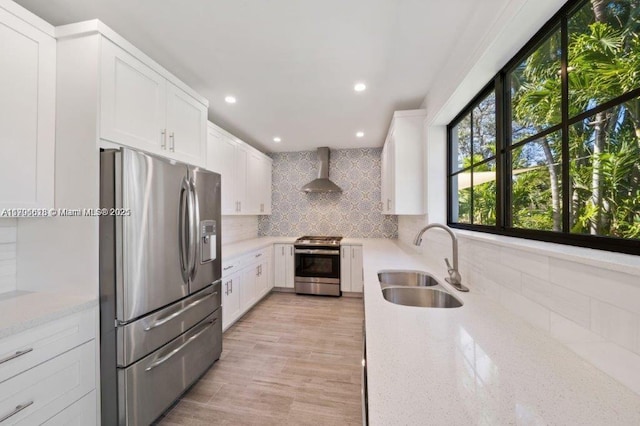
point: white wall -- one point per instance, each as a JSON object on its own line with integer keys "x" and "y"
{"x": 8, "y": 229}
{"x": 588, "y": 300}
{"x": 239, "y": 228}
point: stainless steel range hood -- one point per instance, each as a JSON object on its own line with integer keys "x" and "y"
{"x": 322, "y": 184}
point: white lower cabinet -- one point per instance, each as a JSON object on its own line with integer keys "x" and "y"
{"x": 351, "y": 269}
{"x": 245, "y": 282}
{"x": 283, "y": 265}
{"x": 47, "y": 370}
{"x": 80, "y": 413}
{"x": 230, "y": 299}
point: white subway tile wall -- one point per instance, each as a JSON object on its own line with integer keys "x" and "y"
{"x": 593, "y": 310}
{"x": 8, "y": 232}
{"x": 239, "y": 228}
{"x": 356, "y": 212}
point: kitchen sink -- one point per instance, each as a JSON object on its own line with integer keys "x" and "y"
{"x": 406, "y": 278}
{"x": 419, "y": 296}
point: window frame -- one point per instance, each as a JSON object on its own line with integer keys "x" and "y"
{"x": 500, "y": 85}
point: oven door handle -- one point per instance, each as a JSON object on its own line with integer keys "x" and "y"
{"x": 318, "y": 251}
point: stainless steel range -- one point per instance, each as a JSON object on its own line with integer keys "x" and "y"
{"x": 317, "y": 265}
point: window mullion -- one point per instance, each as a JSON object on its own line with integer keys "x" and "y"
{"x": 566, "y": 158}
{"x": 500, "y": 111}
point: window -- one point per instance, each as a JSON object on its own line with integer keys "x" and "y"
{"x": 550, "y": 150}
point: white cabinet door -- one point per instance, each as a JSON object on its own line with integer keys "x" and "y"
{"x": 345, "y": 268}
{"x": 230, "y": 299}
{"x": 240, "y": 188}
{"x": 357, "y": 272}
{"x": 265, "y": 194}
{"x": 402, "y": 185}
{"x": 132, "y": 102}
{"x": 186, "y": 126}
{"x": 388, "y": 178}
{"x": 283, "y": 264}
{"x": 351, "y": 269}
{"x": 27, "y": 114}
{"x": 248, "y": 295}
{"x": 221, "y": 158}
{"x": 255, "y": 185}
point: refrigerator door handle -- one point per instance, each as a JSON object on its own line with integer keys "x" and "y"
{"x": 183, "y": 234}
{"x": 195, "y": 229}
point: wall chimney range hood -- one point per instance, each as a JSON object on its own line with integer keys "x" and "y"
{"x": 322, "y": 184}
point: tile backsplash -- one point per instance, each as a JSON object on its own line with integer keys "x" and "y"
{"x": 593, "y": 310}
{"x": 8, "y": 232}
{"x": 356, "y": 212}
{"x": 238, "y": 228}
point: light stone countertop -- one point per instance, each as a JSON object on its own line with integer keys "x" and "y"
{"x": 21, "y": 310}
{"x": 229, "y": 251}
{"x": 477, "y": 364}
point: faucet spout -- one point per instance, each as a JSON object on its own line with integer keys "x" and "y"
{"x": 454, "y": 275}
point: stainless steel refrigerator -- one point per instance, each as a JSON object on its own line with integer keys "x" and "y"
{"x": 160, "y": 270}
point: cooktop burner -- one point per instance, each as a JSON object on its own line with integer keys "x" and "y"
{"x": 312, "y": 241}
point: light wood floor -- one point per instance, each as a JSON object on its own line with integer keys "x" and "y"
{"x": 292, "y": 360}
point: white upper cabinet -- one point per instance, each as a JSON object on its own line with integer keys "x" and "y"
{"x": 142, "y": 109}
{"x": 245, "y": 171}
{"x": 403, "y": 186}
{"x": 259, "y": 184}
{"x": 27, "y": 111}
{"x": 132, "y": 101}
{"x": 186, "y": 126}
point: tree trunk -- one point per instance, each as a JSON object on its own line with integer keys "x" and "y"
{"x": 596, "y": 184}
{"x": 599, "y": 9}
{"x": 555, "y": 186}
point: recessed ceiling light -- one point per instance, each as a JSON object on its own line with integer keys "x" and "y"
{"x": 359, "y": 87}
{"x": 230, "y": 99}
{"x": 277, "y": 139}
{"x": 359, "y": 134}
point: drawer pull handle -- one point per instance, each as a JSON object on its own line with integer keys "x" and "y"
{"x": 227, "y": 268}
{"x": 16, "y": 411}
{"x": 16, "y": 355}
{"x": 170, "y": 355}
{"x": 169, "y": 317}
{"x": 259, "y": 254}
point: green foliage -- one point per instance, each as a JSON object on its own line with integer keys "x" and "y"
{"x": 604, "y": 63}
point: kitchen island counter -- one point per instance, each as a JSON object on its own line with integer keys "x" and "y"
{"x": 477, "y": 364}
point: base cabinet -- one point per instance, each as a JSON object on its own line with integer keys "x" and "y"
{"x": 230, "y": 299}
{"x": 245, "y": 281}
{"x": 283, "y": 265}
{"x": 351, "y": 269}
{"x": 48, "y": 373}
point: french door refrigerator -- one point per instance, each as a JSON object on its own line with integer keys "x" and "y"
{"x": 160, "y": 270}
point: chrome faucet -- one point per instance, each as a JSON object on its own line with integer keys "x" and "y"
{"x": 454, "y": 276}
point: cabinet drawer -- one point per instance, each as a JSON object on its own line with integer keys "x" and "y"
{"x": 48, "y": 388}
{"x": 231, "y": 266}
{"x": 37, "y": 345}
{"x": 258, "y": 255}
{"x": 80, "y": 413}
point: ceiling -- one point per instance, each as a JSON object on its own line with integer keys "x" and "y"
{"x": 292, "y": 64}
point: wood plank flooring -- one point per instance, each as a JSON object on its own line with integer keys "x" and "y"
{"x": 291, "y": 360}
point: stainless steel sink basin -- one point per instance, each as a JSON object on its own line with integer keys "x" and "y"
{"x": 418, "y": 296}
{"x": 406, "y": 278}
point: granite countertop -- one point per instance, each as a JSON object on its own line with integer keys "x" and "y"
{"x": 21, "y": 310}
{"x": 477, "y": 364}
